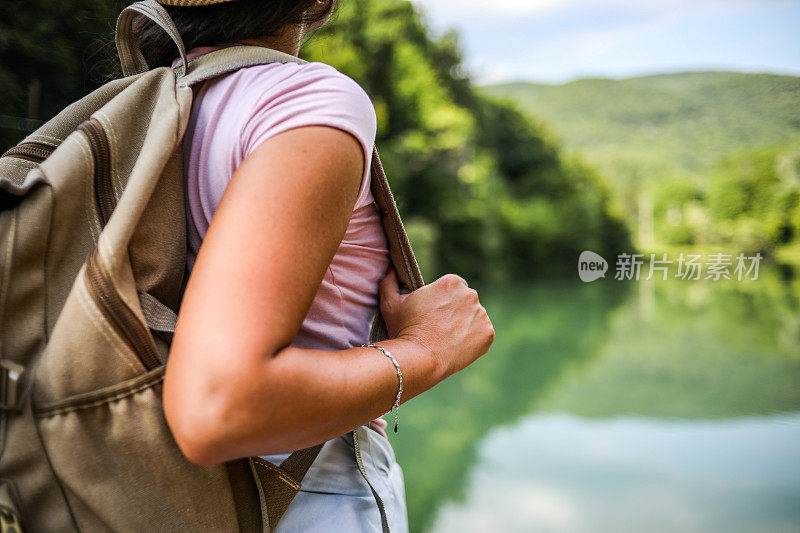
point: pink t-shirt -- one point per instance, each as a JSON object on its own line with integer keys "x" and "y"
{"x": 230, "y": 117}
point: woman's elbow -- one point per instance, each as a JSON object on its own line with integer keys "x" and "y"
{"x": 196, "y": 443}
{"x": 198, "y": 423}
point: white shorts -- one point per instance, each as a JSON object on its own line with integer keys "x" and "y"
{"x": 334, "y": 496}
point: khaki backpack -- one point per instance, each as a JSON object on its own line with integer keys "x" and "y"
{"x": 92, "y": 264}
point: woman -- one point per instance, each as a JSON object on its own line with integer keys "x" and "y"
{"x": 267, "y": 354}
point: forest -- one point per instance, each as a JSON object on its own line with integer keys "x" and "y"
{"x": 712, "y": 159}
{"x": 484, "y": 190}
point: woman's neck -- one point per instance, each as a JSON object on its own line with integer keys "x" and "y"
{"x": 288, "y": 41}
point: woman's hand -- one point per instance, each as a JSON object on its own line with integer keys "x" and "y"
{"x": 445, "y": 317}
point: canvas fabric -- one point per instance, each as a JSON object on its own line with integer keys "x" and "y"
{"x": 92, "y": 262}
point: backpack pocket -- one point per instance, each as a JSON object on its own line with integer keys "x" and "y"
{"x": 99, "y": 341}
{"x": 120, "y": 469}
{"x": 97, "y": 401}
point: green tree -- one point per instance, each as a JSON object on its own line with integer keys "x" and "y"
{"x": 488, "y": 188}
{"x": 754, "y": 198}
{"x": 51, "y": 53}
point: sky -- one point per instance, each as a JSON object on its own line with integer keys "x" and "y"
{"x": 560, "y": 40}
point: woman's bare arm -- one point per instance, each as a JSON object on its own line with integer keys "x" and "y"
{"x": 233, "y": 386}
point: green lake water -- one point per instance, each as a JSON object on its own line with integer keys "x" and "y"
{"x": 617, "y": 406}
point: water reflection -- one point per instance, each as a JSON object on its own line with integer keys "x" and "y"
{"x": 688, "y": 364}
{"x": 563, "y": 473}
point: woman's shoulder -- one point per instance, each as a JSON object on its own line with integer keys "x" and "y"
{"x": 313, "y": 71}
{"x": 257, "y": 102}
{"x": 303, "y": 80}
{"x": 285, "y": 95}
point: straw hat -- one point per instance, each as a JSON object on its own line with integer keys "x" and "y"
{"x": 191, "y": 3}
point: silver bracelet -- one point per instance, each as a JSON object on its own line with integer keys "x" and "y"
{"x": 396, "y": 406}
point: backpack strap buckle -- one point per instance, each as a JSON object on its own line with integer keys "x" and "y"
{"x": 9, "y": 521}
{"x": 11, "y": 396}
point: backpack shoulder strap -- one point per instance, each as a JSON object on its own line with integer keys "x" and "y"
{"x": 230, "y": 59}
{"x": 130, "y": 56}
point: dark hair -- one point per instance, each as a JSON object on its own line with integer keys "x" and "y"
{"x": 225, "y": 23}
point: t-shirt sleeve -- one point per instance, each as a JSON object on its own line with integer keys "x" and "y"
{"x": 312, "y": 94}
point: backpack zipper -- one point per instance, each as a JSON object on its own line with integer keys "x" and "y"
{"x": 101, "y": 288}
{"x": 33, "y": 151}
{"x": 123, "y": 319}
{"x": 101, "y": 151}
